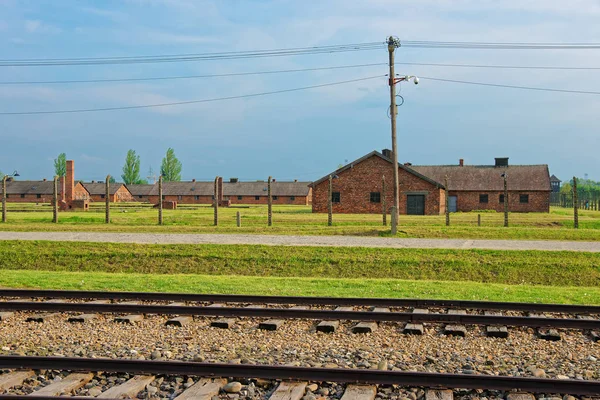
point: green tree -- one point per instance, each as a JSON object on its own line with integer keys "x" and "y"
{"x": 131, "y": 169}
{"x": 170, "y": 168}
{"x": 112, "y": 179}
{"x": 60, "y": 165}
{"x": 566, "y": 188}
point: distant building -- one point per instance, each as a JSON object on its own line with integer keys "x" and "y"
{"x": 140, "y": 192}
{"x": 118, "y": 192}
{"x": 555, "y": 184}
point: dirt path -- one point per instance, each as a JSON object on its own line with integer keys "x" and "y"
{"x": 281, "y": 240}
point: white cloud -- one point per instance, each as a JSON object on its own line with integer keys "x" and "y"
{"x": 37, "y": 26}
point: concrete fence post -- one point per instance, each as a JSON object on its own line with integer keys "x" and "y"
{"x": 478, "y": 219}
{"x": 393, "y": 214}
{"x": 55, "y": 200}
{"x": 216, "y": 202}
{"x": 383, "y": 203}
{"x": 160, "y": 200}
{"x": 4, "y": 178}
{"x": 269, "y": 203}
{"x": 330, "y": 203}
{"x": 107, "y": 199}
{"x": 238, "y": 219}
{"x": 447, "y": 210}
{"x": 575, "y": 205}
{"x": 505, "y": 201}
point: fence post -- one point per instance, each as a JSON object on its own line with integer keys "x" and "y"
{"x": 160, "y": 200}
{"x": 55, "y": 200}
{"x": 107, "y": 199}
{"x": 447, "y": 211}
{"x": 238, "y": 219}
{"x": 575, "y": 205}
{"x": 505, "y": 201}
{"x": 216, "y": 202}
{"x": 478, "y": 219}
{"x": 330, "y": 203}
{"x": 269, "y": 203}
{"x": 4, "y": 178}
{"x": 383, "y": 203}
{"x": 393, "y": 215}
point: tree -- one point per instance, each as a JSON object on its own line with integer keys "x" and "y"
{"x": 170, "y": 168}
{"x": 60, "y": 165}
{"x": 112, "y": 179}
{"x": 131, "y": 169}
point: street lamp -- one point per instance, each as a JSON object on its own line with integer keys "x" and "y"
{"x": 4, "y": 179}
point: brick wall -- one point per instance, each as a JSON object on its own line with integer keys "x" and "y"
{"x": 122, "y": 194}
{"x": 356, "y": 184}
{"x": 469, "y": 201}
{"x": 299, "y": 200}
{"x": 29, "y": 198}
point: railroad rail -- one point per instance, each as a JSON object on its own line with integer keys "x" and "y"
{"x": 278, "y": 372}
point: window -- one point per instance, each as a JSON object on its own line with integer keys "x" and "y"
{"x": 102, "y": 196}
{"x": 257, "y": 198}
{"x": 375, "y": 197}
{"x": 335, "y": 197}
{"x": 275, "y": 197}
{"x": 524, "y": 198}
{"x": 164, "y": 196}
{"x": 483, "y": 198}
{"x": 179, "y": 197}
{"x": 292, "y": 198}
{"x": 501, "y": 199}
{"x": 197, "y": 197}
{"x": 239, "y": 197}
{"x": 22, "y": 196}
{"x": 140, "y": 196}
{"x": 212, "y": 197}
{"x": 39, "y": 196}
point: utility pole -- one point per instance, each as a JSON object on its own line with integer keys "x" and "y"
{"x": 504, "y": 175}
{"x": 107, "y": 199}
{"x": 55, "y": 200}
{"x": 392, "y": 44}
{"x": 4, "y": 178}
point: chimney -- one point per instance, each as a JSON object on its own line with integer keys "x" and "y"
{"x": 70, "y": 181}
{"x": 295, "y": 180}
{"x": 501, "y": 161}
{"x": 93, "y": 181}
{"x": 44, "y": 179}
{"x": 61, "y": 188}
{"x": 233, "y": 180}
{"x": 194, "y": 180}
{"x": 273, "y": 180}
{"x": 220, "y": 189}
{"x": 461, "y": 162}
{"x": 387, "y": 153}
{"x": 407, "y": 164}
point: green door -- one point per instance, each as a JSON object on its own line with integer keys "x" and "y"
{"x": 415, "y": 204}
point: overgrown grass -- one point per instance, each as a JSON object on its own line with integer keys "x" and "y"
{"x": 484, "y": 266}
{"x": 299, "y": 220}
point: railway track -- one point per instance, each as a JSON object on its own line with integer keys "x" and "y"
{"x": 209, "y": 379}
{"x": 368, "y": 312}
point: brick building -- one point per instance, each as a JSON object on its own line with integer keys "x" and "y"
{"x": 118, "y": 191}
{"x": 37, "y": 191}
{"x": 357, "y": 187}
{"x": 140, "y": 192}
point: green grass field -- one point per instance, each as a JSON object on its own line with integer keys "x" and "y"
{"x": 299, "y": 220}
{"x": 565, "y": 277}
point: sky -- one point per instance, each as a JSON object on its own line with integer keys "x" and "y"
{"x": 304, "y": 134}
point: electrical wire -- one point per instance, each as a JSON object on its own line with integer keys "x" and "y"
{"x": 498, "y": 66}
{"x": 499, "y": 45}
{"x": 178, "y": 103}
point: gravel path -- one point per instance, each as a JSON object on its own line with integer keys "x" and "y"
{"x": 283, "y": 240}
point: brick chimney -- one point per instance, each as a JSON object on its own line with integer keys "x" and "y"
{"x": 194, "y": 180}
{"x": 70, "y": 181}
{"x": 44, "y": 179}
{"x": 461, "y": 162}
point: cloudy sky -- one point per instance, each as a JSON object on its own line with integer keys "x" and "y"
{"x": 303, "y": 134}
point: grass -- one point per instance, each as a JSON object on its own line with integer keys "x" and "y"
{"x": 299, "y": 220}
{"x": 391, "y": 288}
{"x": 481, "y": 266}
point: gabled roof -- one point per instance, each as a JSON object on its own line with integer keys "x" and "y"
{"x": 553, "y": 178}
{"x": 140, "y": 189}
{"x": 98, "y": 188}
{"x": 189, "y": 188}
{"x": 30, "y": 187}
{"x": 488, "y": 177}
{"x": 375, "y": 153}
{"x": 260, "y": 188}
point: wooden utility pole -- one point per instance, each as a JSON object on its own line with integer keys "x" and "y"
{"x": 107, "y": 199}
{"x": 505, "y": 200}
{"x": 238, "y": 219}
{"x": 216, "y": 202}
{"x": 392, "y": 44}
{"x": 4, "y": 178}
{"x": 160, "y": 200}
{"x": 330, "y": 203}
{"x": 446, "y": 201}
{"x": 383, "y": 203}
{"x": 55, "y": 200}
{"x": 575, "y": 205}
{"x": 269, "y": 203}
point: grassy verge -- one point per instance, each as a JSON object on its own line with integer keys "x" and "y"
{"x": 483, "y": 266}
{"x": 392, "y": 288}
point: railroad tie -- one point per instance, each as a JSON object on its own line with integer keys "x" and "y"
{"x": 4, "y": 315}
{"x": 274, "y": 324}
{"x": 204, "y": 389}
{"x": 330, "y": 326}
{"x": 455, "y": 329}
{"x": 412, "y": 328}
{"x": 179, "y": 320}
{"x": 360, "y": 392}
{"x": 65, "y": 386}
{"x": 368, "y": 326}
{"x": 129, "y": 389}
{"x": 520, "y": 396}
{"x": 439, "y": 394}
{"x": 545, "y": 333}
{"x": 83, "y": 318}
{"x": 14, "y": 378}
{"x": 130, "y": 318}
{"x": 289, "y": 391}
{"x": 41, "y": 317}
{"x": 496, "y": 331}
{"x": 223, "y": 323}
{"x": 594, "y": 335}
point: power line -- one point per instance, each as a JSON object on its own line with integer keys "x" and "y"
{"x": 499, "y": 45}
{"x": 190, "y": 76}
{"x": 498, "y": 66}
{"x": 189, "y": 101}
{"x": 511, "y": 86}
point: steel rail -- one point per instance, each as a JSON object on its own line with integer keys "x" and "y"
{"x": 288, "y": 313}
{"x": 367, "y": 376}
{"x": 300, "y": 300}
